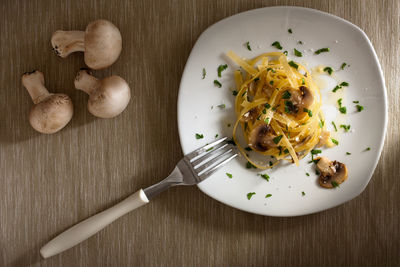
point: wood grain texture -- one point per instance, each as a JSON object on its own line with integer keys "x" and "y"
{"x": 50, "y": 182}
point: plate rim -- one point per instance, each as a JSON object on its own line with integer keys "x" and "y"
{"x": 382, "y": 82}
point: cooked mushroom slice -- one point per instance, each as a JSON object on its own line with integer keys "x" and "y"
{"x": 101, "y": 42}
{"x": 299, "y": 99}
{"x": 261, "y": 137}
{"x": 250, "y": 115}
{"x": 107, "y": 97}
{"x": 51, "y": 112}
{"x": 332, "y": 173}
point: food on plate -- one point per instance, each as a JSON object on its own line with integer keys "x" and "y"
{"x": 101, "y": 42}
{"x": 51, "y": 112}
{"x": 332, "y": 173}
{"x": 278, "y": 107}
{"x": 107, "y": 97}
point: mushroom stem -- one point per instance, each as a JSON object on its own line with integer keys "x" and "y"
{"x": 67, "y": 42}
{"x": 86, "y": 82}
{"x": 34, "y": 82}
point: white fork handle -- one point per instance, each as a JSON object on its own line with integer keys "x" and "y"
{"x": 92, "y": 225}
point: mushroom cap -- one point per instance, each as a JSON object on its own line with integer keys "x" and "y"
{"x": 331, "y": 172}
{"x": 261, "y": 137}
{"x": 103, "y": 44}
{"x": 51, "y": 114}
{"x": 110, "y": 99}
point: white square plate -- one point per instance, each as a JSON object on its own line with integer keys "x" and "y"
{"x": 261, "y": 27}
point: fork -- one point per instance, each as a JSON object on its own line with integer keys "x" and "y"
{"x": 190, "y": 170}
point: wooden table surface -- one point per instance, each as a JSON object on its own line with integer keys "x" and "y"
{"x": 50, "y": 182}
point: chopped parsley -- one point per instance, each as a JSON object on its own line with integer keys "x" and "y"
{"x": 229, "y": 175}
{"x": 337, "y": 87}
{"x": 368, "y": 149}
{"x": 265, "y": 176}
{"x": 336, "y": 142}
{"x": 329, "y": 70}
{"x": 344, "y": 64}
{"x": 302, "y": 193}
{"x": 267, "y": 105}
{"x": 289, "y": 107}
{"x": 217, "y": 83}
{"x": 234, "y": 93}
{"x": 321, "y": 124}
{"x": 222, "y": 106}
{"x": 300, "y": 42}
{"x": 277, "y": 45}
{"x": 343, "y": 110}
{"x": 277, "y": 139}
{"x": 249, "y": 195}
{"x": 309, "y": 112}
{"x": 204, "y": 74}
{"x": 248, "y": 148}
{"x": 221, "y": 68}
{"x": 345, "y": 127}
{"x": 334, "y": 184}
{"x": 248, "y": 46}
{"x": 285, "y": 52}
{"x": 286, "y": 151}
{"x": 307, "y": 174}
{"x": 249, "y": 165}
{"x": 270, "y": 163}
{"x": 297, "y": 53}
{"x": 286, "y": 95}
{"x": 199, "y": 136}
{"x": 303, "y": 81}
{"x": 289, "y": 31}
{"x": 359, "y": 108}
{"x": 209, "y": 149}
{"x": 344, "y": 84}
{"x": 334, "y": 125}
{"x": 293, "y": 65}
{"x": 216, "y": 136}
{"x": 268, "y": 195}
{"x": 271, "y": 82}
{"x": 322, "y": 50}
{"x": 356, "y": 101}
{"x": 315, "y": 151}
{"x": 348, "y": 153}
{"x": 264, "y": 111}
{"x": 266, "y": 120}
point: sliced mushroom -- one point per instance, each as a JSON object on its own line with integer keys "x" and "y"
{"x": 299, "y": 99}
{"x": 250, "y": 115}
{"x": 261, "y": 137}
{"x": 107, "y": 97}
{"x": 51, "y": 112}
{"x": 332, "y": 173}
{"x": 101, "y": 42}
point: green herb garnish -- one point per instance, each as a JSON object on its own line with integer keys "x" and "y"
{"x": 343, "y": 110}
{"x": 308, "y": 111}
{"x": 345, "y": 127}
{"x": 344, "y": 84}
{"x": 322, "y": 50}
{"x": 343, "y": 65}
{"x": 348, "y": 153}
{"x": 268, "y": 195}
{"x": 300, "y": 42}
{"x": 277, "y": 45}
{"x": 303, "y": 81}
{"x": 337, "y": 87}
{"x": 229, "y": 175}
{"x": 334, "y": 126}
{"x": 321, "y": 124}
{"x": 267, "y": 105}
{"x": 368, "y": 149}
{"x": 329, "y": 70}
{"x": 271, "y": 82}
{"x": 356, "y": 101}
{"x": 285, "y": 53}
{"x": 249, "y": 195}
{"x": 297, "y": 53}
{"x": 216, "y": 136}
{"x": 359, "y": 108}
{"x": 302, "y": 193}
{"x": 217, "y": 83}
{"x": 204, "y": 74}
{"x": 289, "y": 31}
{"x": 293, "y": 65}
{"x": 248, "y": 148}
{"x": 315, "y": 151}
{"x": 307, "y": 174}
{"x": 248, "y": 46}
{"x": 266, "y": 120}
{"x": 336, "y": 142}
{"x": 286, "y": 95}
{"x": 222, "y": 106}
{"x": 209, "y": 149}
{"x": 234, "y": 93}
{"x": 221, "y": 68}
{"x": 334, "y": 184}
{"x": 249, "y": 165}
{"x": 199, "y": 136}
{"x": 286, "y": 151}
{"x": 265, "y": 176}
{"x": 277, "y": 139}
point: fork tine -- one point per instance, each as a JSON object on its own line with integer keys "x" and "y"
{"x": 216, "y": 167}
{"x": 199, "y": 151}
{"x": 212, "y": 162}
{"x": 203, "y": 158}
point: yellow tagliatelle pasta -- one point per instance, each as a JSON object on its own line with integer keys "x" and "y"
{"x": 278, "y": 107}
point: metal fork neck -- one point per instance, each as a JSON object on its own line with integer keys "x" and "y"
{"x": 175, "y": 178}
